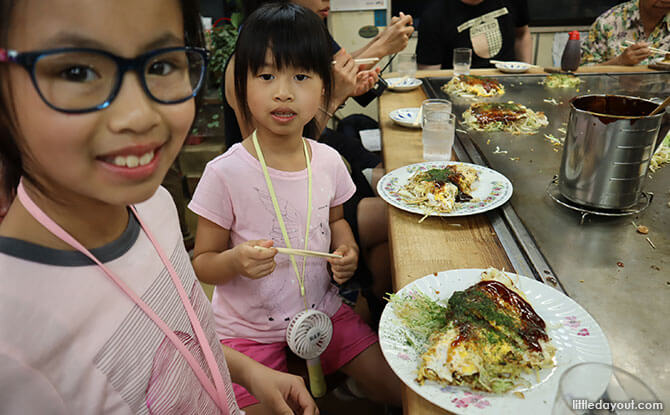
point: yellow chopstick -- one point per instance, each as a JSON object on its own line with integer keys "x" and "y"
{"x": 303, "y": 252}
{"x": 362, "y": 61}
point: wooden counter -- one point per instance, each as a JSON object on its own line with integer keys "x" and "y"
{"x": 437, "y": 244}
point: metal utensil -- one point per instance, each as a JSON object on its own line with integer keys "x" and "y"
{"x": 609, "y": 144}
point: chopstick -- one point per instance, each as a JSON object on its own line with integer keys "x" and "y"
{"x": 419, "y": 114}
{"x": 362, "y": 61}
{"x": 302, "y": 252}
{"x": 655, "y": 50}
{"x": 530, "y": 65}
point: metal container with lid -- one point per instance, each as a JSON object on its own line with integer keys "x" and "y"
{"x": 609, "y": 144}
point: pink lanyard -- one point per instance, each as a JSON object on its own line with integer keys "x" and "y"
{"x": 217, "y": 390}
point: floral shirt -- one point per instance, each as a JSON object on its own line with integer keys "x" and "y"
{"x": 618, "y": 24}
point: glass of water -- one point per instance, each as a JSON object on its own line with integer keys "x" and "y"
{"x": 598, "y": 389}
{"x": 438, "y": 124}
{"x": 462, "y": 61}
{"x": 406, "y": 64}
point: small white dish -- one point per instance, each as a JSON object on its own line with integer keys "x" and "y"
{"x": 403, "y": 84}
{"x": 406, "y": 117}
{"x": 513, "y": 67}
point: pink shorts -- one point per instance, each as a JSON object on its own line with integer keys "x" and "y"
{"x": 351, "y": 336}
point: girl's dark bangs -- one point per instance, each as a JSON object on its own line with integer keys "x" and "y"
{"x": 290, "y": 47}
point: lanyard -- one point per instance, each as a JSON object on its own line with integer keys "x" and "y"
{"x": 259, "y": 153}
{"x": 216, "y": 390}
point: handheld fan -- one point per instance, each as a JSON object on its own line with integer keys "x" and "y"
{"x": 308, "y": 334}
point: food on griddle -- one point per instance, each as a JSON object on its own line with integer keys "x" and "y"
{"x": 473, "y": 86}
{"x": 561, "y": 80}
{"x": 508, "y": 117}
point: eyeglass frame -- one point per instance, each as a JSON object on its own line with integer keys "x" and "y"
{"x": 28, "y": 61}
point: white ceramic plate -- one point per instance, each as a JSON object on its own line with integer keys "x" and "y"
{"x": 490, "y": 191}
{"x": 407, "y": 117}
{"x": 513, "y": 67}
{"x": 403, "y": 84}
{"x": 575, "y": 334}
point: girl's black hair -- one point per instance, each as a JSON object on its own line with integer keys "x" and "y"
{"x": 296, "y": 36}
{"x": 11, "y": 167}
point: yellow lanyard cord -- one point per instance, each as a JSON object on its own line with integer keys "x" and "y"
{"x": 259, "y": 153}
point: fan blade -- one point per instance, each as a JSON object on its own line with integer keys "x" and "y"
{"x": 317, "y": 382}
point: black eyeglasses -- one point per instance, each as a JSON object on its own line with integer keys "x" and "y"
{"x": 79, "y": 80}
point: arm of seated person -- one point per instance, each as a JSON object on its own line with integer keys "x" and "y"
{"x": 632, "y": 55}
{"x": 392, "y": 39}
{"x": 522, "y": 44}
{"x": 215, "y": 262}
{"x": 281, "y": 392}
{"x": 342, "y": 240}
{"x": 429, "y": 67}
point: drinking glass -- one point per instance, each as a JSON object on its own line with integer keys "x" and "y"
{"x": 462, "y": 61}
{"x": 438, "y": 124}
{"x": 406, "y": 64}
{"x": 593, "y": 388}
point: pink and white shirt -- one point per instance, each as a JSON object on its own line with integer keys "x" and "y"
{"x": 233, "y": 194}
{"x": 72, "y": 343}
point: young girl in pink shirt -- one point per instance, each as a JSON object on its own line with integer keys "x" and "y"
{"x": 100, "y": 310}
{"x": 278, "y": 189}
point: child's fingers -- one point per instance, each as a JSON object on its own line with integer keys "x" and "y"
{"x": 342, "y": 277}
{"x": 262, "y": 270}
{"x": 349, "y": 266}
{"x": 261, "y": 249}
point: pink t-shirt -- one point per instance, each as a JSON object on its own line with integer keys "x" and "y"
{"x": 71, "y": 342}
{"x": 233, "y": 194}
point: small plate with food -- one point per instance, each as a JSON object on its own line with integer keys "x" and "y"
{"x": 475, "y": 341}
{"x": 403, "y": 84}
{"x": 444, "y": 188}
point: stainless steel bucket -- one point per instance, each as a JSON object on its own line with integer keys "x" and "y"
{"x": 609, "y": 143}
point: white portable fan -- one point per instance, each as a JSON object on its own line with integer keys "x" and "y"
{"x": 308, "y": 334}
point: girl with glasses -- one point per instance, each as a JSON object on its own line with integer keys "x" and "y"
{"x": 100, "y": 310}
{"x": 278, "y": 189}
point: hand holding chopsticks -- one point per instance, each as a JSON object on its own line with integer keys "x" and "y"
{"x": 652, "y": 49}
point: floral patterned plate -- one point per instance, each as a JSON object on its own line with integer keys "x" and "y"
{"x": 490, "y": 191}
{"x": 576, "y": 335}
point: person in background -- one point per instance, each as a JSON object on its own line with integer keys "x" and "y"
{"x": 493, "y": 29}
{"x": 100, "y": 310}
{"x": 277, "y": 188}
{"x": 643, "y": 23}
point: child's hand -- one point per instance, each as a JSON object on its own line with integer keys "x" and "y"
{"x": 343, "y": 268}
{"x": 255, "y": 259}
{"x": 282, "y": 393}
